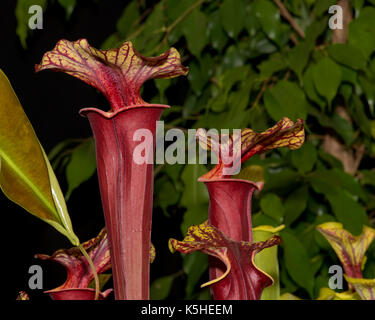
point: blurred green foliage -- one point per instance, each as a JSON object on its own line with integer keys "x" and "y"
{"x": 249, "y": 66}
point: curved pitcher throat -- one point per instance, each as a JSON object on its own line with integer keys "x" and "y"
{"x": 230, "y": 212}
{"x": 126, "y": 188}
{"x": 230, "y": 207}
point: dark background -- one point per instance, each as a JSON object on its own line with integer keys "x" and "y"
{"x": 52, "y": 101}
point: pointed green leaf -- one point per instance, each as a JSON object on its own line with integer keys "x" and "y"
{"x": 161, "y": 287}
{"x": 195, "y": 265}
{"x": 194, "y": 193}
{"x": 82, "y": 165}
{"x": 295, "y": 204}
{"x": 232, "y": 17}
{"x": 297, "y": 261}
{"x": 304, "y": 158}
{"x": 327, "y": 78}
{"x": 194, "y": 28}
{"x": 272, "y": 206}
{"x": 344, "y": 53}
{"x": 26, "y": 176}
{"x": 286, "y": 99}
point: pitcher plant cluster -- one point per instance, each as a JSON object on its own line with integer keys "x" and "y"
{"x": 125, "y": 139}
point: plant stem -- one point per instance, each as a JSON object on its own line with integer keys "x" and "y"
{"x": 285, "y": 13}
{"x": 96, "y": 278}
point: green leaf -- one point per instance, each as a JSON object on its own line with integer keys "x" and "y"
{"x": 161, "y": 287}
{"x": 285, "y": 99}
{"x": 175, "y": 9}
{"x": 195, "y": 192}
{"x": 331, "y": 160}
{"x": 361, "y": 31}
{"x": 216, "y": 32}
{"x": 192, "y": 27}
{"x": 327, "y": 78}
{"x": 298, "y": 58}
{"x": 204, "y": 294}
{"x": 23, "y": 16}
{"x": 296, "y": 204}
{"x": 128, "y": 19}
{"x": 297, "y": 261}
{"x": 344, "y": 129}
{"x": 272, "y": 206}
{"x": 340, "y": 189}
{"x": 60, "y": 151}
{"x": 344, "y": 53}
{"x": 82, "y": 165}
{"x": 26, "y": 176}
{"x": 195, "y": 78}
{"x": 150, "y": 36}
{"x": 368, "y": 88}
{"x": 199, "y": 73}
{"x": 258, "y": 119}
{"x": 349, "y": 183}
{"x": 252, "y": 24}
{"x": 69, "y": 6}
{"x": 304, "y": 158}
{"x": 359, "y": 115}
{"x": 166, "y": 194}
{"x": 233, "y": 76}
{"x": 174, "y": 172}
{"x": 269, "y": 18}
{"x": 315, "y": 29}
{"x": 322, "y": 6}
{"x": 289, "y": 285}
{"x": 238, "y": 101}
{"x": 274, "y": 64}
{"x": 194, "y": 265}
{"x": 368, "y": 177}
{"x": 334, "y": 181}
{"x": 349, "y": 212}
{"x": 309, "y": 87}
{"x": 260, "y": 219}
{"x": 195, "y": 214}
{"x": 232, "y": 17}
{"x": 280, "y": 181}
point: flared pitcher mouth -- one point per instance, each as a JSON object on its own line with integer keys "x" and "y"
{"x": 110, "y": 114}
{"x": 256, "y": 185}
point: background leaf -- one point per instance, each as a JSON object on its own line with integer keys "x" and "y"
{"x": 286, "y": 99}
{"x": 161, "y": 287}
{"x": 327, "y": 78}
{"x": 297, "y": 261}
{"x": 272, "y": 206}
{"x": 81, "y": 166}
{"x": 232, "y": 17}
